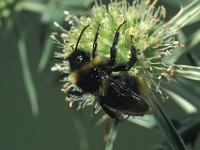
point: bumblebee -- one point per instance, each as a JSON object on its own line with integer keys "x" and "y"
{"x": 118, "y": 95}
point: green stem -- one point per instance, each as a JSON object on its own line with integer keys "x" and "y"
{"x": 28, "y": 81}
{"x": 36, "y": 7}
{"x": 112, "y": 135}
{"x": 81, "y": 130}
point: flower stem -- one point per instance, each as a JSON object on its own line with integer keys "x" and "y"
{"x": 35, "y": 7}
{"x": 81, "y": 130}
{"x": 112, "y": 135}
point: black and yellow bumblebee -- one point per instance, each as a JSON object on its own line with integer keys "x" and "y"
{"x": 116, "y": 94}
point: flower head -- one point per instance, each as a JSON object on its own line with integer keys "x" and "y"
{"x": 144, "y": 27}
{"x": 8, "y": 8}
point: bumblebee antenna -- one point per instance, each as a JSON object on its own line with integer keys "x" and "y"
{"x": 79, "y": 38}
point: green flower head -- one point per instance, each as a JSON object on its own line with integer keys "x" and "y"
{"x": 144, "y": 27}
{"x": 8, "y": 8}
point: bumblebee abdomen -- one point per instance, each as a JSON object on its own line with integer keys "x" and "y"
{"x": 136, "y": 84}
{"x": 123, "y": 95}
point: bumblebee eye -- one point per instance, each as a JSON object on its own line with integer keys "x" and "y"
{"x": 79, "y": 59}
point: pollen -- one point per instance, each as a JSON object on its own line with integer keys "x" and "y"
{"x": 97, "y": 60}
{"x": 74, "y": 78}
{"x": 164, "y": 13}
{"x": 142, "y": 84}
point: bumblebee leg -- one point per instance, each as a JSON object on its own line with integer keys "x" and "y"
{"x": 126, "y": 117}
{"x": 94, "y": 47}
{"x": 131, "y": 62}
{"x": 74, "y": 93}
{"x": 113, "y": 114}
{"x": 113, "y": 49}
{"x": 62, "y": 76}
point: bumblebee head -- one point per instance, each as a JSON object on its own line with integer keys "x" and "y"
{"x": 77, "y": 59}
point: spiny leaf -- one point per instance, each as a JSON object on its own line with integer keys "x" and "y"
{"x": 189, "y": 72}
{"x": 147, "y": 121}
{"x": 185, "y": 94}
{"x": 181, "y": 101}
{"x": 28, "y": 81}
{"x": 195, "y": 39}
{"x": 166, "y": 126}
{"x": 186, "y": 15}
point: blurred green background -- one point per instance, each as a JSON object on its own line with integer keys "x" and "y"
{"x": 57, "y": 126}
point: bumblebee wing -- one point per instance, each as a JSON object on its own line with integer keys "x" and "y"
{"x": 120, "y": 95}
